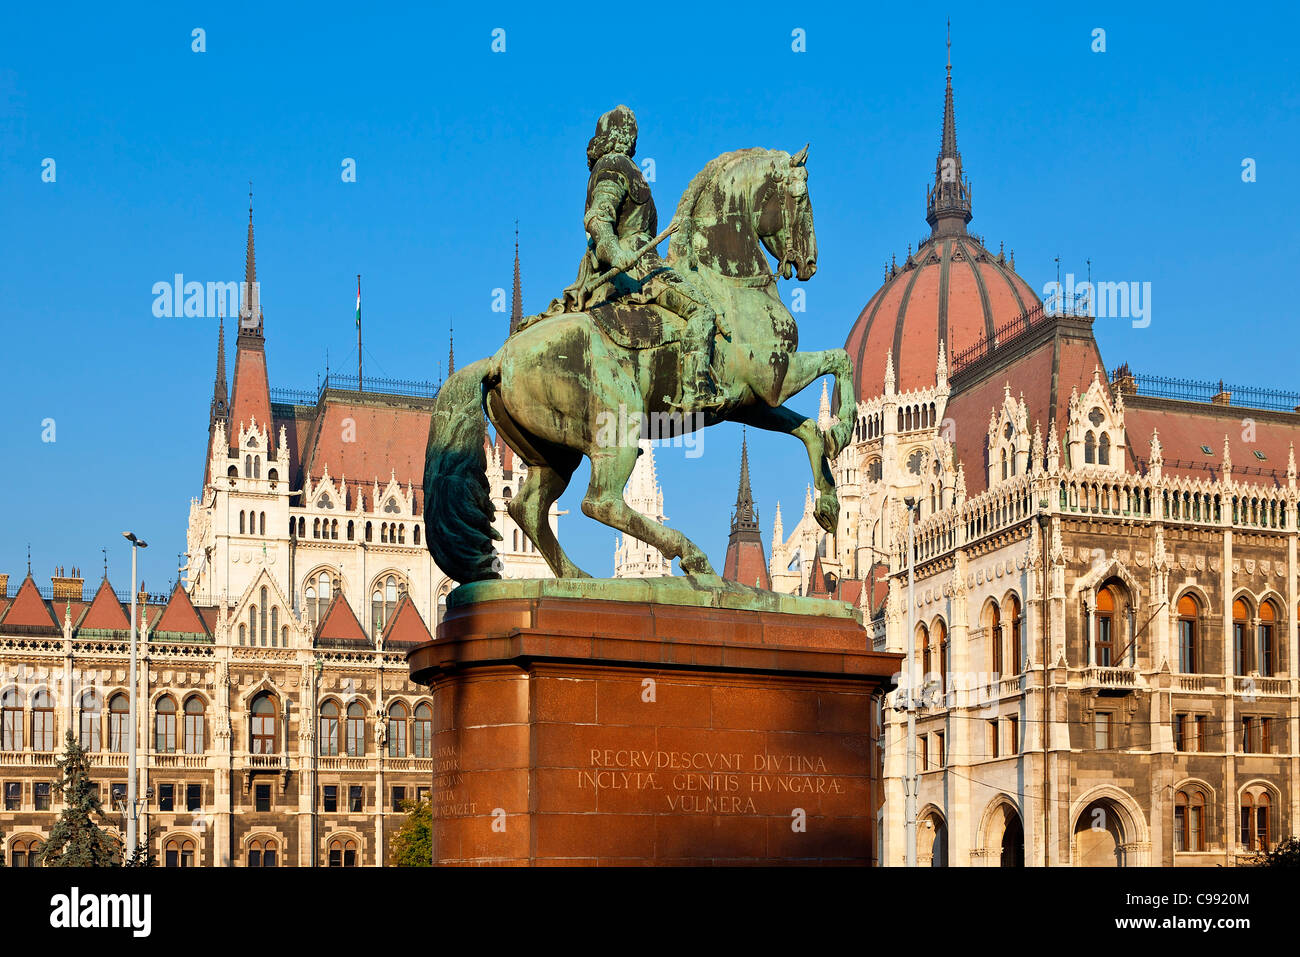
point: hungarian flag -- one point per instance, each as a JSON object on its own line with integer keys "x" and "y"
{"x": 358, "y": 303}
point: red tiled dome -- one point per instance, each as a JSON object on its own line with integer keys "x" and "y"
{"x": 952, "y": 289}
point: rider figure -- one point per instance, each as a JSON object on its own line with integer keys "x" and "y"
{"x": 620, "y": 219}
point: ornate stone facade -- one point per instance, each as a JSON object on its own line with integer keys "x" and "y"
{"x": 276, "y": 720}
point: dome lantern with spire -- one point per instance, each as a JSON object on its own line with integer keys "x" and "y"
{"x": 951, "y": 290}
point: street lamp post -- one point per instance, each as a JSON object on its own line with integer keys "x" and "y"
{"x": 132, "y": 836}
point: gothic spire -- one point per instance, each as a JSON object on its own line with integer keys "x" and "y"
{"x": 250, "y": 309}
{"x": 220, "y": 397}
{"x": 743, "y": 517}
{"x": 948, "y": 206}
{"x": 517, "y": 301}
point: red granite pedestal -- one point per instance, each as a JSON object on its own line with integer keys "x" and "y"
{"x": 577, "y": 731}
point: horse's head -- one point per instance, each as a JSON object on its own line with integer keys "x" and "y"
{"x": 785, "y": 218}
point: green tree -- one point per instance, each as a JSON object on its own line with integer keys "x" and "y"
{"x": 76, "y": 840}
{"x": 1286, "y": 854}
{"x": 412, "y": 845}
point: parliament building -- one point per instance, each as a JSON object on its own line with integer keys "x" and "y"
{"x": 276, "y": 721}
{"x": 1103, "y": 616}
{"x": 1093, "y": 570}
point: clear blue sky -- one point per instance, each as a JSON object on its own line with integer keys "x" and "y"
{"x": 1131, "y": 157}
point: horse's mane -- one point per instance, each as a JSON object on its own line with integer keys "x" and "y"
{"x": 679, "y": 245}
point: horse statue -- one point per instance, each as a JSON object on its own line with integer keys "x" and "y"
{"x": 556, "y": 387}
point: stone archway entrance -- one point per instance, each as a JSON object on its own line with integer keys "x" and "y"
{"x": 1013, "y": 841}
{"x": 1099, "y": 838}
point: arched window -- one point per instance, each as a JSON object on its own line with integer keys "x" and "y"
{"x": 275, "y": 625}
{"x": 1256, "y": 826}
{"x": 241, "y": 523}
{"x": 261, "y": 523}
{"x": 1103, "y": 449}
{"x": 514, "y": 540}
{"x": 1104, "y": 640}
{"x": 383, "y": 599}
{"x": 324, "y": 591}
{"x": 252, "y": 624}
{"x": 923, "y": 646}
{"x": 415, "y": 532}
{"x": 1189, "y": 820}
{"x": 119, "y": 715}
{"x": 248, "y": 466}
{"x": 11, "y": 707}
{"x": 262, "y": 725}
{"x": 1241, "y": 637}
{"x": 90, "y": 721}
{"x": 1014, "y": 625}
{"x": 315, "y": 528}
{"x": 194, "y": 741}
{"x": 329, "y": 729}
{"x": 995, "y": 638}
{"x": 343, "y": 852}
{"x": 262, "y": 853}
{"x": 356, "y": 730}
{"x": 1189, "y": 648}
{"x": 1090, "y": 449}
{"x": 23, "y": 852}
{"x": 178, "y": 852}
{"x": 1005, "y": 473}
{"x": 334, "y": 529}
{"x": 164, "y": 726}
{"x": 941, "y": 639}
{"x": 369, "y": 532}
{"x": 242, "y": 634}
{"x": 42, "y": 721}
{"x": 302, "y": 527}
{"x": 257, "y": 466}
{"x": 1265, "y": 649}
{"x": 261, "y": 621}
{"x": 423, "y": 731}
{"x": 351, "y": 530}
{"x": 397, "y": 730}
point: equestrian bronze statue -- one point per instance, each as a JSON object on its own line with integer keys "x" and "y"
{"x": 619, "y": 357}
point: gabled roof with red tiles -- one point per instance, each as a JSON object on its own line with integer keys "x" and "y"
{"x": 339, "y": 623}
{"x": 382, "y": 441}
{"x": 406, "y": 626}
{"x": 1045, "y": 374}
{"x": 817, "y": 585}
{"x": 29, "y": 611}
{"x": 1184, "y": 427}
{"x": 180, "y": 616}
{"x": 251, "y": 394}
{"x": 745, "y": 563}
{"x": 105, "y": 612}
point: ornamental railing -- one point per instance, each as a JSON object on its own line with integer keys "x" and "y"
{"x": 1200, "y": 390}
{"x": 413, "y": 388}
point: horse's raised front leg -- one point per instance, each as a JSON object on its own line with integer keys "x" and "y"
{"x": 782, "y": 419}
{"x": 804, "y": 368}
{"x": 611, "y": 467}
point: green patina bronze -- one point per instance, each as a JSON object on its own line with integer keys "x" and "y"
{"x": 667, "y": 346}
{"x": 684, "y": 590}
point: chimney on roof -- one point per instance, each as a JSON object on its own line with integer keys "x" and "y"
{"x": 67, "y": 587}
{"x": 4, "y": 585}
{"x": 1222, "y": 397}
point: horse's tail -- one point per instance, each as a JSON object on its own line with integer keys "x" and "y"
{"x": 458, "y": 510}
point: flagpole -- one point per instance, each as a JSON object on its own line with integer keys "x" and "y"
{"x": 360, "y": 386}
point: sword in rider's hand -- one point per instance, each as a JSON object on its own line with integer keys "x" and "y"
{"x": 598, "y": 281}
